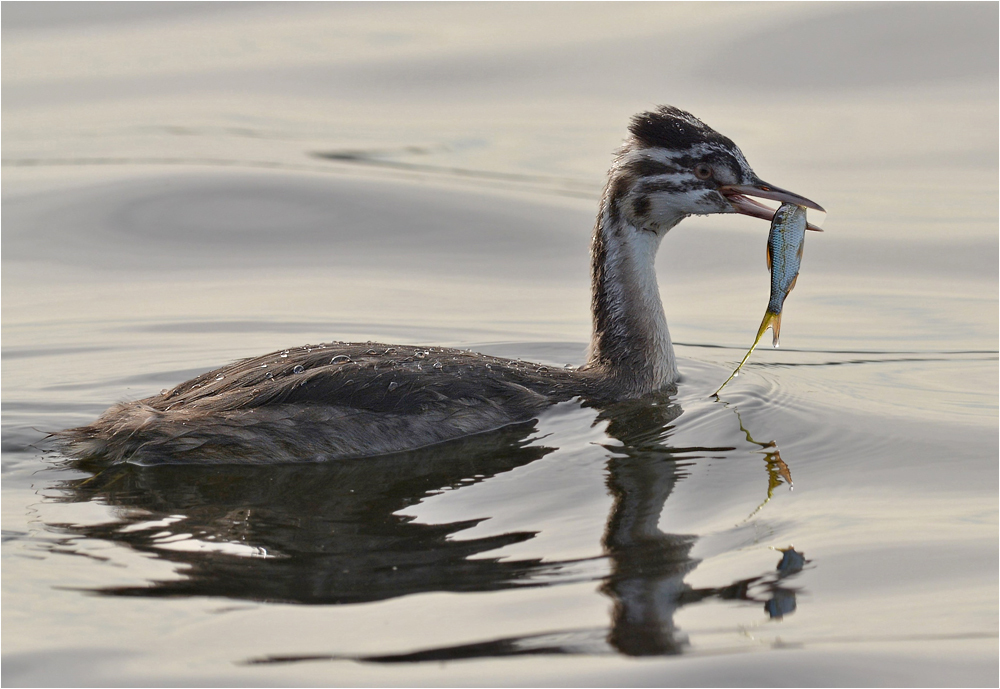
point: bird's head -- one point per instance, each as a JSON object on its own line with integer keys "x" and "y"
{"x": 674, "y": 165}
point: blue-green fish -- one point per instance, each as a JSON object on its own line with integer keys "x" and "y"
{"x": 784, "y": 256}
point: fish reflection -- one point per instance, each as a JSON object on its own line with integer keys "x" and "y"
{"x": 335, "y": 533}
{"x": 777, "y": 471}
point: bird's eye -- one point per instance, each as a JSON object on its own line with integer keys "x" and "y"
{"x": 702, "y": 171}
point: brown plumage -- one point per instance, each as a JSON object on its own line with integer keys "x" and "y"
{"x": 327, "y": 401}
{"x": 340, "y": 400}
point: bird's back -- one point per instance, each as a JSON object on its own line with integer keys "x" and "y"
{"x": 327, "y": 401}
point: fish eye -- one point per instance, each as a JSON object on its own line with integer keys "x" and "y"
{"x": 702, "y": 171}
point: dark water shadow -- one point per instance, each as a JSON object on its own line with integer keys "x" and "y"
{"x": 334, "y": 534}
{"x": 310, "y": 533}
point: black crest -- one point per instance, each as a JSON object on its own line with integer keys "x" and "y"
{"x": 670, "y": 127}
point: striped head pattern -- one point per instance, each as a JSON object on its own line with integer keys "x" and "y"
{"x": 673, "y": 165}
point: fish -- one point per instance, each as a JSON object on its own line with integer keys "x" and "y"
{"x": 785, "y": 242}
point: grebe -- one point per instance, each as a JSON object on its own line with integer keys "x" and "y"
{"x": 343, "y": 400}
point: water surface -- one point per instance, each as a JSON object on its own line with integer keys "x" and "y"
{"x": 224, "y": 182}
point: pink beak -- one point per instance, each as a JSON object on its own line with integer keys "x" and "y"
{"x": 738, "y": 196}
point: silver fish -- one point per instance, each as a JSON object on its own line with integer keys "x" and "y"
{"x": 784, "y": 256}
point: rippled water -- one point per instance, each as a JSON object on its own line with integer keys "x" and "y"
{"x": 183, "y": 188}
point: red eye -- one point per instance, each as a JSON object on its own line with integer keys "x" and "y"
{"x": 702, "y": 171}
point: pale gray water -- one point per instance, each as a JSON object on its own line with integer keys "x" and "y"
{"x": 183, "y": 188}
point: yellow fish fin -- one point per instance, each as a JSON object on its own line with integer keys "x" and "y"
{"x": 775, "y": 325}
{"x": 769, "y": 257}
{"x": 770, "y": 319}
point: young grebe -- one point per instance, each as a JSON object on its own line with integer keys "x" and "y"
{"x": 342, "y": 400}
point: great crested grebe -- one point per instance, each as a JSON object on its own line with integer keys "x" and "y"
{"x": 343, "y": 400}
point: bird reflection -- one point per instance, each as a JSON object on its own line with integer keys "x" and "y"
{"x": 336, "y": 533}
{"x": 648, "y": 566}
{"x": 313, "y": 534}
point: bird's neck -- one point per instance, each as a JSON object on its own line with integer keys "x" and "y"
{"x": 630, "y": 345}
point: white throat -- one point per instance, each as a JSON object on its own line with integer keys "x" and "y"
{"x": 630, "y": 342}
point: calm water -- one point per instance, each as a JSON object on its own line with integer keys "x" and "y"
{"x": 186, "y": 185}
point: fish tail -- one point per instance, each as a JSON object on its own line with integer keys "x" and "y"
{"x": 770, "y": 318}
